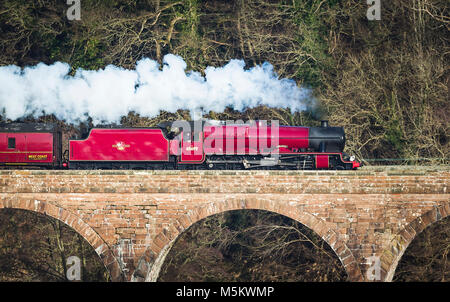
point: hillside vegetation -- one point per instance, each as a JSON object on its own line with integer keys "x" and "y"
{"x": 385, "y": 81}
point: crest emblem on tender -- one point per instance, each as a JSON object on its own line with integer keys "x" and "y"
{"x": 121, "y": 146}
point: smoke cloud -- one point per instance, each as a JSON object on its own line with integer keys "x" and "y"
{"x": 108, "y": 94}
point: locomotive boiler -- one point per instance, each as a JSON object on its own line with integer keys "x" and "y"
{"x": 179, "y": 145}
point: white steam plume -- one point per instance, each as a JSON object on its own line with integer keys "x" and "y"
{"x": 108, "y": 94}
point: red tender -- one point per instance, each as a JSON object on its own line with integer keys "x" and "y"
{"x": 121, "y": 145}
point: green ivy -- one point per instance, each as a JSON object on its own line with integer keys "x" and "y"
{"x": 88, "y": 54}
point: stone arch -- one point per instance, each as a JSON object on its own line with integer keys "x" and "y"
{"x": 397, "y": 246}
{"x": 87, "y": 232}
{"x": 149, "y": 267}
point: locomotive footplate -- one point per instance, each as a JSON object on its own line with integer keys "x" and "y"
{"x": 291, "y": 161}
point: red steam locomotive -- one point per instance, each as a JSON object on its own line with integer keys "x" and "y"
{"x": 178, "y": 145}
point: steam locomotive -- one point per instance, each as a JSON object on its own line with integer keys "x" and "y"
{"x": 192, "y": 145}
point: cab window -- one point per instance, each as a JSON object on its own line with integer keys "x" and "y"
{"x": 11, "y": 143}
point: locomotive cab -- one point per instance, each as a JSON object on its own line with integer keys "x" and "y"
{"x": 191, "y": 147}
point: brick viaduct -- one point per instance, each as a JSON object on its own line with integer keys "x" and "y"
{"x": 132, "y": 218}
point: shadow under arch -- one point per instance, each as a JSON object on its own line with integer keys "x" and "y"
{"x": 168, "y": 236}
{"x": 77, "y": 224}
{"x": 392, "y": 254}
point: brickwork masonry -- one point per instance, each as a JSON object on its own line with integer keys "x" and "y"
{"x": 132, "y": 218}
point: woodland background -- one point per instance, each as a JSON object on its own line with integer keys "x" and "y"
{"x": 386, "y": 82}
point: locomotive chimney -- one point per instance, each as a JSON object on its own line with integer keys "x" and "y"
{"x": 324, "y": 124}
